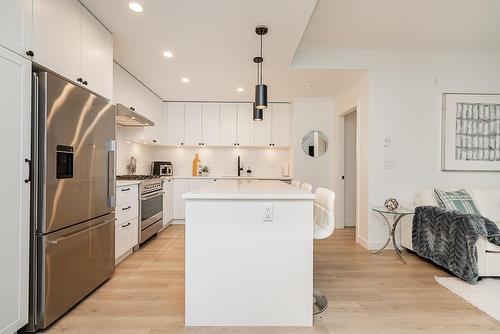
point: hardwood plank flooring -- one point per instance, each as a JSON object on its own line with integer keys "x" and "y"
{"x": 367, "y": 294}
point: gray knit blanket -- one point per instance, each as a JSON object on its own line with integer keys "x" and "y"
{"x": 448, "y": 238}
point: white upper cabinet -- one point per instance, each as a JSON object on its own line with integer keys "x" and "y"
{"x": 57, "y": 36}
{"x": 228, "y": 124}
{"x": 96, "y": 56}
{"x": 281, "y": 124}
{"x": 15, "y": 103}
{"x": 68, "y": 40}
{"x": 246, "y": 132}
{"x": 16, "y": 18}
{"x": 263, "y": 128}
{"x": 175, "y": 123}
{"x": 155, "y": 111}
{"x": 210, "y": 131}
{"x": 192, "y": 124}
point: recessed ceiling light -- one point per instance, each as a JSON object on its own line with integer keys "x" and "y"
{"x": 308, "y": 85}
{"x": 240, "y": 89}
{"x": 132, "y": 117}
{"x": 136, "y": 7}
{"x": 168, "y": 54}
{"x": 185, "y": 80}
{"x": 146, "y": 124}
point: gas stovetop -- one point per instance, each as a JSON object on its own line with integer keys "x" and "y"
{"x": 149, "y": 183}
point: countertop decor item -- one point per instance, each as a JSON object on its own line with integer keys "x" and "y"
{"x": 391, "y": 204}
{"x": 397, "y": 215}
{"x": 132, "y": 166}
{"x": 196, "y": 163}
{"x": 205, "y": 171}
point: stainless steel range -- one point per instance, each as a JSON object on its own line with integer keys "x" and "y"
{"x": 151, "y": 204}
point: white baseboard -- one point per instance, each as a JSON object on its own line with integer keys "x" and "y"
{"x": 373, "y": 244}
{"x": 178, "y": 221}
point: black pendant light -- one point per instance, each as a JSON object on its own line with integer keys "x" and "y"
{"x": 260, "y": 88}
{"x": 258, "y": 114}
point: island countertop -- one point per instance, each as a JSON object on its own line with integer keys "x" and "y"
{"x": 247, "y": 189}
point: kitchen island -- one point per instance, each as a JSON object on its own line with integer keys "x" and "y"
{"x": 249, "y": 254}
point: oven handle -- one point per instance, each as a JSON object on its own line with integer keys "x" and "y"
{"x": 149, "y": 196}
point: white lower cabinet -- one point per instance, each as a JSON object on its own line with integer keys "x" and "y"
{"x": 127, "y": 220}
{"x": 15, "y": 103}
{"x": 126, "y": 238}
{"x": 181, "y": 186}
{"x": 168, "y": 201}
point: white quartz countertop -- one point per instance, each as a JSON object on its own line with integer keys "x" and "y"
{"x": 122, "y": 183}
{"x": 248, "y": 189}
{"x": 243, "y": 177}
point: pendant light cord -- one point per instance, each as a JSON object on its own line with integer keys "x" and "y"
{"x": 260, "y": 64}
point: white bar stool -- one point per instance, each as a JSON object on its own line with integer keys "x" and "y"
{"x": 295, "y": 183}
{"x": 324, "y": 225}
{"x": 307, "y": 187}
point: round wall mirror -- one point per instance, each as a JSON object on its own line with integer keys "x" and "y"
{"x": 315, "y": 143}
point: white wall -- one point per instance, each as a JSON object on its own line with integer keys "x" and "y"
{"x": 404, "y": 103}
{"x": 313, "y": 114}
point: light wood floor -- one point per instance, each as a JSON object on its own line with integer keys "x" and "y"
{"x": 367, "y": 293}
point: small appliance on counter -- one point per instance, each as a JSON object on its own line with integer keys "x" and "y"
{"x": 162, "y": 168}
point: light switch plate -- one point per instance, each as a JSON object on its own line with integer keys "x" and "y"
{"x": 389, "y": 164}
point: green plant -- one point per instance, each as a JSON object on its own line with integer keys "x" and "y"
{"x": 205, "y": 169}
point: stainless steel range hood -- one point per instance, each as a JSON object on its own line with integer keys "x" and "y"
{"x": 128, "y": 117}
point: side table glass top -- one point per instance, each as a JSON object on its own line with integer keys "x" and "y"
{"x": 398, "y": 211}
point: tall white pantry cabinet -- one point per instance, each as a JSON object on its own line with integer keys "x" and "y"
{"x": 62, "y": 36}
{"x": 15, "y": 127}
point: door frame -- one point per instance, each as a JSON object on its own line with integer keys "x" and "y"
{"x": 340, "y": 166}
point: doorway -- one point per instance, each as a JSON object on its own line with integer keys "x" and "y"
{"x": 350, "y": 135}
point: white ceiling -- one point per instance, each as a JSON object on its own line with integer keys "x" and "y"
{"x": 405, "y": 24}
{"x": 214, "y": 43}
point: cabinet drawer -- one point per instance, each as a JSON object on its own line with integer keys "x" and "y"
{"x": 126, "y": 237}
{"x": 126, "y": 212}
{"x": 126, "y": 194}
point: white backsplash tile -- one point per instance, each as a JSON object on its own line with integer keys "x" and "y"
{"x": 222, "y": 161}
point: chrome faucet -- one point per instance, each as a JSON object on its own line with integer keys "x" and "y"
{"x": 240, "y": 167}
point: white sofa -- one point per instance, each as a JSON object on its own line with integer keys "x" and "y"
{"x": 487, "y": 201}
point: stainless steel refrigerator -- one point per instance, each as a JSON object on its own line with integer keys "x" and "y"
{"x": 73, "y": 196}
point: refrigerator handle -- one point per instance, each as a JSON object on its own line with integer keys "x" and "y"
{"x": 111, "y": 173}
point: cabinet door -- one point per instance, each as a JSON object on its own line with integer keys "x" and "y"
{"x": 246, "y": 132}
{"x": 197, "y": 183}
{"x": 228, "y": 124}
{"x": 57, "y": 36}
{"x": 263, "y": 128}
{"x": 180, "y": 187}
{"x": 122, "y": 88}
{"x": 156, "y": 113}
{"x": 210, "y": 124}
{"x": 15, "y": 99}
{"x": 281, "y": 124}
{"x": 175, "y": 123}
{"x": 168, "y": 201}
{"x": 192, "y": 124}
{"x": 16, "y": 18}
{"x": 96, "y": 56}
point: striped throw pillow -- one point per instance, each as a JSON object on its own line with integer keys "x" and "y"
{"x": 459, "y": 200}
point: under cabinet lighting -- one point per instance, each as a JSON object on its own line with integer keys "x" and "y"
{"x": 136, "y": 7}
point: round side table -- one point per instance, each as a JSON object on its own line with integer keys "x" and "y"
{"x": 397, "y": 215}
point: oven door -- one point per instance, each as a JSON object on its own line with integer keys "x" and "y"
{"x": 151, "y": 208}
